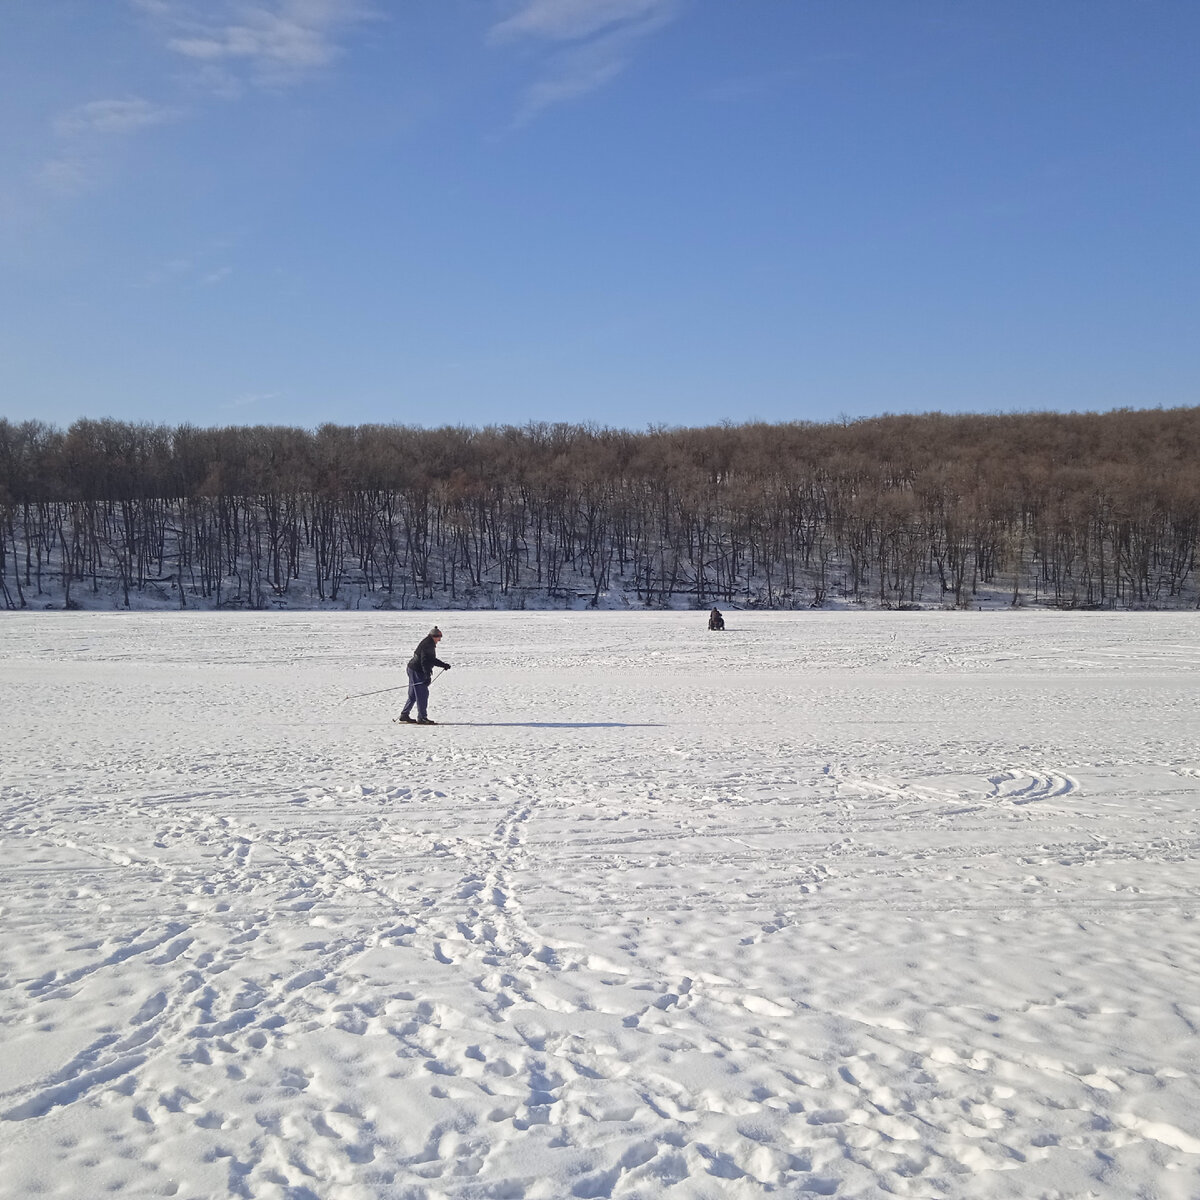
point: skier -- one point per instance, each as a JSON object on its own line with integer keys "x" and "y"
{"x": 420, "y": 675}
{"x": 715, "y": 620}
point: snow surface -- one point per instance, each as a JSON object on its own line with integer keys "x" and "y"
{"x": 832, "y": 904}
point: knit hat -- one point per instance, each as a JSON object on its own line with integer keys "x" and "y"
{"x": 435, "y": 632}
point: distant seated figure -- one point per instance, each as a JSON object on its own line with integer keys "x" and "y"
{"x": 715, "y": 620}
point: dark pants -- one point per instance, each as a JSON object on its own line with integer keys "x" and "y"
{"x": 418, "y": 694}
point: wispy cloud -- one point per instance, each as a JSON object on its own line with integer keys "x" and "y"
{"x": 570, "y": 20}
{"x": 590, "y": 41}
{"x": 113, "y": 117}
{"x": 237, "y": 44}
{"x": 202, "y": 268}
{"x": 69, "y": 175}
{"x": 87, "y": 138}
{"x": 234, "y": 46}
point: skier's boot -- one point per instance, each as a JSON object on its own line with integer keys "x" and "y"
{"x": 405, "y": 719}
{"x": 425, "y": 721}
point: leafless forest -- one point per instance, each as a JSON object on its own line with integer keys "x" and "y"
{"x": 898, "y": 511}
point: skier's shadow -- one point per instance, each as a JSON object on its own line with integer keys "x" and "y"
{"x": 559, "y": 724}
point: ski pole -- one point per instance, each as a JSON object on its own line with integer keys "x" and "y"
{"x": 364, "y": 695}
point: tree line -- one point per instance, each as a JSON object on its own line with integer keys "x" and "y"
{"x": 1081, "y": 509}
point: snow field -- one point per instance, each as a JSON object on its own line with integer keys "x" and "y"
{"x": 834, "y": 904}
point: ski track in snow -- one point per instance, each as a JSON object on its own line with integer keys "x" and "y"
{"x": 853, "y": 905}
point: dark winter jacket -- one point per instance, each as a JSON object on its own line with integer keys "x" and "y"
{"x": 425, "y": 658}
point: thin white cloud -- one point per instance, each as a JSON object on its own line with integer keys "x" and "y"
{"x": 574, "y": 75}
{"x": 232, "y": 44}
{"x": 113, "y": 117}
{"x": 202, "y": 267}
{"x": 68, "y": 174}
{"x": 569, "y": 20}
{"x": 88, "y": 137}
{"x": 261, "y": 43}
{"x": 592, "y": 41}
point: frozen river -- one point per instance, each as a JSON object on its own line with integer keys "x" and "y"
{"x": 837, "y": 904}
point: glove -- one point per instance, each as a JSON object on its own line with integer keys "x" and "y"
{"x": 446, "y": 667}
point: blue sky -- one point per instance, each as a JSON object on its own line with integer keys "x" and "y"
{"x": 631, "y": 212}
